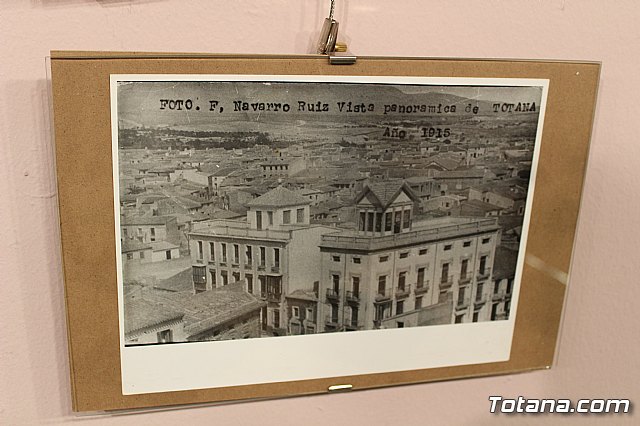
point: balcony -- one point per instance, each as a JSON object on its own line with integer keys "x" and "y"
{"x": 462, "y": 303}
{"x": 275, "y": 269}
{"x": 382, "y": 297}
{"x": 404, "y": 291}
{"x": 333, "y": 294}
{"x": 331, "y": 321}
{"x": 429, "y": 232}
{"x": 446, "y": 282}
{"x": 484, "y": 274}
{"x": 465, "y": 279}
{"x": 422, "y": 288}
{"x": 480, "y": 300}
{"x": 248, "y": 265}
{"x": 274, "y": 297}
{"x": 497, "y": 296}
{"x": 351, "y": 326}
{"x": 353, "y": 296}
{"x": 261, "y": 267}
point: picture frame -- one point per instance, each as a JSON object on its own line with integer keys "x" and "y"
{"x": 84, "y": 85}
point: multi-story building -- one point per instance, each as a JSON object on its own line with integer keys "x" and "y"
{"x": 149, "y": 229}
{"x": 274, "y": 252}
{"x": 392, "y": 269}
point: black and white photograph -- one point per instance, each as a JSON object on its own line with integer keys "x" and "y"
{"x": 253, "y": 209}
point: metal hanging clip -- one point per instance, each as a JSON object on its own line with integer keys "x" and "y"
{"x": 328, "y": 44}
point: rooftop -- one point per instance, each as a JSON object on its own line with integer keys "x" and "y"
{"x": 278, "y": 197}
{"x": 141, "y": 313}
{"x": 431, "y": 230}
{"x": 210, "y": 309}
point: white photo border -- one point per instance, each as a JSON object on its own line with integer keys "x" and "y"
{"x": 200, "y": 365}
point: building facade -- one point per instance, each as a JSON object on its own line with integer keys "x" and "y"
{"x": 274, "y": 252}
{"x": 393, "y": 265}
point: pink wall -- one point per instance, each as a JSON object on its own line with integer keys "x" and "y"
{"x": 600, "y": 348}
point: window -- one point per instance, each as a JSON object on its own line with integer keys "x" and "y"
{"x": 399, "y": 307}
{"x": 370, "y": 221}
{"x": 258, "y": 219}
{"x": 387, "y": 221}
{"x": 447, "y": 247}
{"x": 300, "y": 215}
{"x": 378, "y": 222}
{"x": 354, "y": 316}
{"x": 335, "y": 279}
{"x": 212, "y": 251}
{"x": 236, "y": 253}
{"x": 276, "y": 318}
{"x": 383, "y": 259}
{"x": 249, "y": 279}
{"x": 270, "y": 217}
{"x": 276, "y": 257}
{"x": 355, "y": 285}
{"x": 402, "y": 279}
{"x": 420, "y": 280}
{"x": 404, "y": 255}
{"x": 248, "y": 255}
{"x": 461, "y": 294}
{"x": 141, "y": 255}
{"x": 286, "y": 216}
{"x": 483, "y": 264}
{"x": 200, "y": 251}
{"x": 466, "y": 244}
{"x": 336, "y": 258}
{"x": 398, "y": 223}
{"x": 165, "y": 336}
{"x": 406, "y": 219}
{"x": 153, "y": 234}
{"x": 475, "y": 316}
{"x": 400, "y": 324}
{"x": 418, "y": 302}
{"x": 463, "y": 268}
{"x": 129, "y": 256}
{"x": 224, "y": 252}
{"x": 459, "y": 319}
{"x": 295, "y": 312}
{"x": 422, "y": 252}
{"x": 225, "y": 277}
{"x": 199, "y": 274}
{"x": 236, "y": 277}
{"x": 444, "y": 278}
{"x": 479, "y": 292}
{"x": 356, "y": 260}
{"x": 496, "y": 287}
{"x": 167, "y": 254}
{"x": 362, "y": 221}
{"x": 263, "y": 256}
{"x": 212, "y": 273}
{"x": 263, "y": 287}
{"x": 334, "y": 313}
{"x": 382, "y": 284}
{"x": 486, "y": 240}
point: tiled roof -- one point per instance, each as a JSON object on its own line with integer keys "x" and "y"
{"x": 386, "y": 192}
{"x": 133, "y": 245}
{"x": 210, "y": 309}
{"x": 278, "y": 197}
{"x": 163, "y": 245}
{"x": 140, "y": 313}
{"x": 146, "y": 220}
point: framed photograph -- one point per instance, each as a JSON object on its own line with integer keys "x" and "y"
{"x": 275, "y": 233}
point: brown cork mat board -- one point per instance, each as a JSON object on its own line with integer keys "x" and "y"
{"x": 81, "y": 106}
